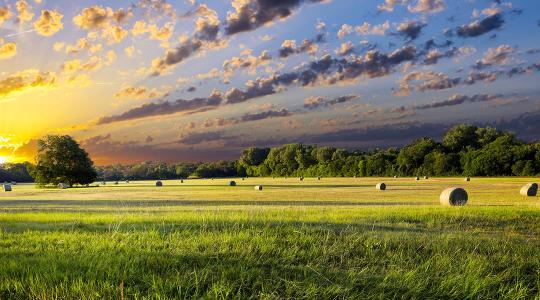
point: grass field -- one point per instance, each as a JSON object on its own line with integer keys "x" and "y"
{"x": 334, "y": 238}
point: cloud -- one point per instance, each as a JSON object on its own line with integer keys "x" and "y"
{"x": 247, "y": 61}
{"x": 98, "y": 17}
{"x": 26, "y": 80}
{"x": 165, "y": 108}
{"x": 454, "y": 100}
{"x": 496, "y": 56}
{"x": 368, "y": 29}
{"x": 5, "y": 14}
{"x": 410, "y": 29}
{"x": 175, "y": 56}
{"x": 49, "y": 22}
{"x": 428, "y": 81}
{"x": 481, "y": 27}
{"x": 250, "y": 117}
{"x": 345, "y": 49}
{"x": 8, "y": 50}
{"x": 71, "y": 66}
{"x": 289, "y": 47}
{"x": 141, "y": 92}
{"x": 318, "y": 102}
{"x": 24, "y": 11}
{"x": 433, "y": 56}
{"x": 162, "y": 34}
{"x": 388, "y": 5}
{"x": 427, "y": 6}
{"x": 252, "y": 14}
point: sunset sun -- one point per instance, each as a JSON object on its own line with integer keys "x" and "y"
{"x": 3, "y": 159}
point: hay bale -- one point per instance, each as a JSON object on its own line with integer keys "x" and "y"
{"x": 116, "y": 182}
{"x": 467, "y": 179}
{"x": 243, "y": 178}
{"x": 6, "y": 187}
{"x": 302, "y": 178}
{"x": 63, "y": 186}
{"x": 529, "y": 190}
{"x": 258, "y": 187}
{"x": 127, "y": 181}
{"x": 417, "y": 178}
{"x": 13, "y": 183}
{"x": 454, "y": 197}
{"x": 232, "y": 183}
{"x": 159, "y": 183}
{"x": 426, "y": 177}
{"x": 319, "y": 178}
{"x": 103, "y": 183}
{"x": 381, "y": 186}
{"x": 181, "y": 180}
{"x": 395, "y": 176}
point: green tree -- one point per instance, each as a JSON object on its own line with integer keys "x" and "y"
{"x": 61, "y": 159}
{"x": 460, "y": 137}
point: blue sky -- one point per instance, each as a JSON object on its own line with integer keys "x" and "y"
{"x": 185, "y": 81}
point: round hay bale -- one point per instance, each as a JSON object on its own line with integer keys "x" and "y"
{"x": 159, "y": 183}
{"x": 302, "y": 178}
{"x": 103, "y": 183}
{"x": 243, "y": 179}
{"x": 127, "y": 181}
{"x": 13, "y": 183}
{"x": 381, "y": 186}
{"x": 181, "y": 180}
{"x": 7, "y": 188}
{"x": 529, "y": 190}
{"x": 426, "y": 177}
{"x": 395, "y": 176}
{"x": 258, "y": 187}
{"x": 232, "y": 183}
{"x": 116, "y": 182}
{"x": 417, "y": 178}
{"x": 467, "y": 179}
{"x": 454, "y": 197}
{"x": 63, "y": 186}
{"x": 319, "y": 178}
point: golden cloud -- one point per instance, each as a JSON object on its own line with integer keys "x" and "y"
{"x": 8, "y": 50}
{"x": 26, "y": 80}
{"x": 49, "y": 23}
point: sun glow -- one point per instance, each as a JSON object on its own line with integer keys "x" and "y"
{"x": 3, "y": 160}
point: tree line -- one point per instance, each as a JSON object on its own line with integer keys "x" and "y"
{"x": 465, "y": 150}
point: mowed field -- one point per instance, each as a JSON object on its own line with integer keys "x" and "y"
{"x": 333, "y": 238}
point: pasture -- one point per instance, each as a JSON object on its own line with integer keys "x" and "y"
{"x": 329, "y": 238}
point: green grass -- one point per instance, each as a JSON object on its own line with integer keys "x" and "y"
{"x": 334, "y": 238}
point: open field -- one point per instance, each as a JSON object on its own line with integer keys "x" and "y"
{"x": 334, "y": 238}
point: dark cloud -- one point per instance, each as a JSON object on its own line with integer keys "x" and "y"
{"x": 201, "y": 137}
{"x": 289, "y": 47}
{"x": 481, "y": 27}
{"x": 410, "y": 30}
{"x": 176, "y": 55}
{"x": 165, "y": 108}
{"x": 252, "y": 14}
{"x": 191, "y": 89}
{"x": 317, "y": 102}
{"x": 266, "y": 115}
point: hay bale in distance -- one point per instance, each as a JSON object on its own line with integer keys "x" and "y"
{"x": 159, "y": 183}
{"x": 63, "y": 186}
{"x": 529, "y": 190}
{"x": 127, "y": 181}
{"x": 454, "y": 196}
{"x": 13, "y": 183}
{"x": 243, "y": 179}
{"x": 381, "y": 186}
{"x": 319, "y": 178}
{"x": 258, "y": 187}
{"x": 6, "y": 187}
{"x": 302, "y": 178}
{"x": 417, "y": 178}
{"x": 116, "y": 182}
{"x": 181, "y": 180}
{"x": 395, "y": 176}
{"x": 467, "y": 179}
{"x": 232, "y": 183}
{"x": 426, "y": 177}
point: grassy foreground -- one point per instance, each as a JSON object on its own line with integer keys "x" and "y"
{"x": 334, "y": 238}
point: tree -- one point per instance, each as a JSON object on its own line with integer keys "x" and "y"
{"x": 460, "y": 137}
{"x": 411, "y": 157}
{"x": 60, "y": 159}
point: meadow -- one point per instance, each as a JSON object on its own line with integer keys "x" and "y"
{"x": 333, "y": 238}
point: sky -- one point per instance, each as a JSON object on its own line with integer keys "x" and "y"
{"x": 191, "y": 80}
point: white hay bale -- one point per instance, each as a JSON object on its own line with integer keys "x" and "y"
{"x": 319, "y": 178}
{"x": 302, "y": 178}
{"x": 381, "y": 186}
{"x": 63, "y": 186}
{"x": 426, "y": 177}
{"x": 454, "y": 196}
{"x": 116, "y": 182}
{"x": 529, "y": 190}
{"x": 6, "y": 187}
{"x": 467, "y": 179}
{"x": 232, "y": 183}
{"x": 159, "y": 183}
{"x": 395, "y": 176}
{"x": 258, "y": 187}
{"x": 417, "y": 178}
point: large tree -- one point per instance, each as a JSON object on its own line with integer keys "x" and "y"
{"x": 60, "y": 159}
